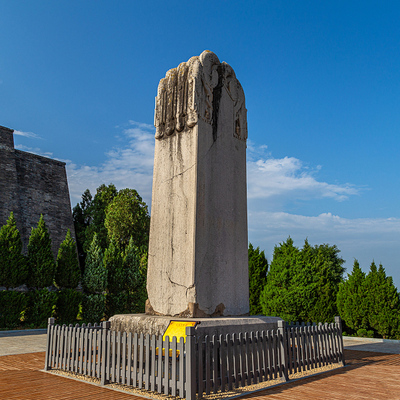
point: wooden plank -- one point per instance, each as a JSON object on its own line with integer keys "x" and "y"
{"x": 141, "y": 354}
{"x": 153, "y": 363}
{"x": 222, "y": 361}
{"x": 160, "y": 365}
{"x": 330, "y": 336}
{"x": 307, "y": 347}
{"x": 135, "y": 360}
{"x": 89, "y": 352}
{"x": 72, "y": 347}
{"x": 199, "y": 375}
{"x": 215, "y": 345}
{"x": 229, "y": 354}
{"x": 129, "y": 359}
{"x": 123, "y": 366}
{"x": 207, "y": 349}
{"x": 264, "y": 356}
{"x": 269, "y": 355}
{"x": 243, "y": 363}
{"x": 77, "y": 347}
{"x": 166, "y": 364}
{"x": 80, "y": 352}
{"x": 236, "y": 357}
{"x": 118, "y": 363}
{"x": 53, "y": 346}
{"x": 253, "y": 358}
{"x": 247, "y": 340}
{"x": 291, "y": 349}
{"x": 277, "y": 354}
{"x": 174, "y": 361}
{"x": 313, "y": 348}
{"x": 147, "y": 363}
{"x": 181, "y": 382}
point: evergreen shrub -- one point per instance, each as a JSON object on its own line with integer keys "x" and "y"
{"x": 41, "y": 306}
{"x": 68, "y": 302}
{"x": 13, "y": 267}
{"x": 40, "y": 257}
{"x": 68, "y": 273}
{"x": 12, "y": 306}
{"x": 93, "y": 307}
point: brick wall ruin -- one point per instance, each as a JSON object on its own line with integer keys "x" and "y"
{"x": 31, "y": 185}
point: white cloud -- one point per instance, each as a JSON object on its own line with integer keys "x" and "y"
{"x": 272, "y": 177}
{"x": 34, "y": 150}
{"x": 128, "y": 165}
{"x": 30, "y": 135}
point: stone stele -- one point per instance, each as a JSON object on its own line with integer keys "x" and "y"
{"x": 198, "y": 260}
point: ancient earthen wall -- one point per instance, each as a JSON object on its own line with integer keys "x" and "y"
{"x": 31, "y": 185}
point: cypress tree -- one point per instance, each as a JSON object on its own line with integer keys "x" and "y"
{"x": 352, "y": 301}
{"x": 258, "y": 268}
{"x": 95, "y": 276}
{"x": 40, "y": 257}
{"x": 113, "y": 262}
{"x": 136, "y": 278}
{"x": 383, "y": 301}
{"x": 68, "y": 273}
{"x": 302, "y": 284}
{"x": 277, "y": 296}
{"x": 13, "y": 267}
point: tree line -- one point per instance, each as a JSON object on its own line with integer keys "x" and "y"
{"x": 28, "y": 296}
{"x": 102, "y": 274}
{"x": 112, "y": 231}
{"x": 308, "y": 285}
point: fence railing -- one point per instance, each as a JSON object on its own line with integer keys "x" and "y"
{"x": 199, "y": 365}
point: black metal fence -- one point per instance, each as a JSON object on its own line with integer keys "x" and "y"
{"x": 199, "y": 365}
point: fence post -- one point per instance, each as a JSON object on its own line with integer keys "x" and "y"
{"x": 47, "y": 365}
{"x": 283, "y": 348}
{"x": 338, "y": 322}
{"x": 105, "y": 326}
{"x": 190, "y": 349}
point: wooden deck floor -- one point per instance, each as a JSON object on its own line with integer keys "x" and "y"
{"x": 367, "y": 376}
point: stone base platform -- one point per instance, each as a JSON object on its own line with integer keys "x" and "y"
{"x": 157, "y": 325}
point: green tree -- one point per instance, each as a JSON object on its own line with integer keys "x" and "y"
{"x": 82, "y": 218}
{"x": 40, "y": 257}
{"x": 277, "y": 296}
{"x": 13, "y": 267}
{"x": 328, "y": 269}
{"x": 383, "y": 302}
{"x": 133, "y": 263}
{"x": 68, "y": 273}
{"x": 95, "y": 276}
{"x": 127, "y": 217}
{"x": 97, "y": 214}
{"x": 302, "y": 284}
{"x": 352, "y": 301}
{"x": 113, "y": 263}
{"x": 258, "y": 268}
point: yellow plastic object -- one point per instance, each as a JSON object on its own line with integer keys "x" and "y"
{"x": 178, "y": 329}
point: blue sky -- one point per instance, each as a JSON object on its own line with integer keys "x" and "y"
{"x": 322, "y": 83}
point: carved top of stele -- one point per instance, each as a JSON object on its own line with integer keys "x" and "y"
{"x": 191, "y": 92}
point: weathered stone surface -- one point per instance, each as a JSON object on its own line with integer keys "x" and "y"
{"x": 198, "y": 263}
{"x": 157, "y": 325}
{"x": 31, "y": 185}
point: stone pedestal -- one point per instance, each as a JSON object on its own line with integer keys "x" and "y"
{"x": 157, "y": 325}
{"x": 198, "y": 256}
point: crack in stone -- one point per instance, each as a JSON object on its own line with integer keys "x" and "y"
{"x": 181, "y": 173}
{"x": 179, "y": 284}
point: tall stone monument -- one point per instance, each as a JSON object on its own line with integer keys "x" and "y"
{"x": 198, "y": 260}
